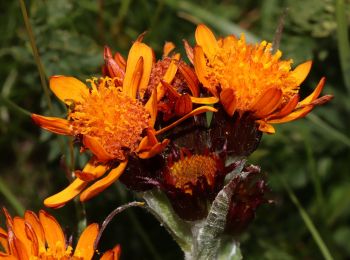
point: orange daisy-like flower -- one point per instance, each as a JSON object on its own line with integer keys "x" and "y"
{"x": 112, "y": 119}
{"x": 249, "y": 78}
{"x": 41, "y": 237}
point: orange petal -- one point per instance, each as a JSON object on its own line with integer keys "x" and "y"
{"x": 228, "y": 100}
{"x": 137, "y": 51}
{"x": 287, "y": 109}
{"x": 30, "y": 233}
{"x": 113, "y": 254}
{"x": 292, "y": 116}
{"x": 183, "y": 105}
{"x": 92, "y": 170}
{"x": 206, "y": 39}
{"x": 265, "y": 127}
{"x": 200, "y": 68}
{"x": 191, "y": 78}
{"x": 20, "y": 233}
{"x": 53, "y": 124}
{"x": 197, "y": 111}
{"x": 156, "y": 149}
{"x": 113, "y": 68}
{"x": 17, "y": 248}
{"x": 32, "y": 219}
{"x": 189, "y": 51}
{"x": 171, "y": 89}
{"x": 54, "y": 235}
{"x": 151, "y": 107}
{"x": 168, "y": 76}
{"x": 267, "y": 103}
{"x": 68, "y": 89}
{"x": 168, "y": 47}
{"x": 204, "y": 100}
{"x": 61, "y": 198}
{"x": 104, "y": 183}
{"x": 96, "y": 148}
{"x": 119, "y": 59}
{"x": 85, "y": 246}
{"x": 300, "y": 72}
{"x": 314, "y": 94}
{"x": 148, "y": 141}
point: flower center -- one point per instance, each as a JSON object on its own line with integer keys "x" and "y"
{"x": 187, "y": 171}
{"x": 57, "y": 253}
{"x": 249, "y": 70}
{"x": 115, "y": 119}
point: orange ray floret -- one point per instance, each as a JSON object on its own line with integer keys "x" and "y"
{"x": 250, "y": 78}
{"x": 112, "y": 118}
{"x": 41, "y": 237}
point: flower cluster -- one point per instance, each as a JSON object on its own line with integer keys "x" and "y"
{"x": 183, "y": 128}
{"x": 41, "y": 237}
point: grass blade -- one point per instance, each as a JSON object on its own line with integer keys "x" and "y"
{"x": 308, "y": 223}
{"x": 36, "y": 54}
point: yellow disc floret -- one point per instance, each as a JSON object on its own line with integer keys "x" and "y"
{"x": 187, "y": 171}
{"x": 249, "y": 70}
{"x": 115, "y": 119}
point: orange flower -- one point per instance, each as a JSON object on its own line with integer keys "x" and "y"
{"x": 41, "y": 237}
{"x": 112, "y": 119}
{"x": 249, "y": 78}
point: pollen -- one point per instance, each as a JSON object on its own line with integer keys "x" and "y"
{"x": 116, "y": 120}
{"x": 186, "y": 172}
{"x": 250, "y": 70}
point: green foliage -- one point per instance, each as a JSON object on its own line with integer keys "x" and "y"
{"x": 311, "y": 155}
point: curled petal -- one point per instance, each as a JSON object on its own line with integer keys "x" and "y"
{"x": 189, "y": 51}
{"x": 267, "y": 103}
{"x": 183, "y": 105}
{"x": 156, "y": 149}
{"x": 16, "y": 246}
{"x": 265, "y": 127}
{"x": 200, "y": 67}
{"x": 32, "y": 219}
{"x": 53, "y": 232}
{"x": 205, "y": 100}
{"x": 168, "y": 76}
{"x": 206, "y": 39}
{"x": 53, "y": 124}
{"x": 85, "y": 246}
{"x": 19, "y": 230}
{"x": 300, "y": 72}
{"x": 191, "y": 78}
{"x": 228, "y": 100}
{"x": 287, "y": 109}
{"x": 113, "y": 68}
{"x": 168, "y": 47}
{"x": 104, "y": 183}
{"x": 61, "y": 198}
{"x": 151, "y": 107}
{"x": 292, "y": 116}
{"x": 68, "y": 89}
{"x": 314, "y": 94}
{"x": 196, "y": 111}
{"x": 137, "y": 51}
{"x": 96, "y": 148}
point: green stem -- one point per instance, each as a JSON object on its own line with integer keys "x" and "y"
{"x": 139, "y": 228}
{"x": 309, "y": 224}
{"x": 343, "y": 41}
{"x": 14, "y": 202}
{"x": 36, "y": 54}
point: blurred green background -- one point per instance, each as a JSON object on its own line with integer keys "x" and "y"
{"x": 308, "y": 159}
